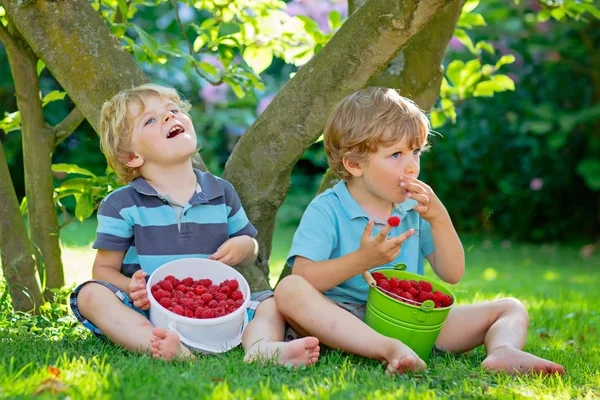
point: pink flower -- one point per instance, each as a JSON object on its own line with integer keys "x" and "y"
{"x": 455, "y": 44}
{"x": 213, "y": 94}
{"x": 536, "y": 184}
{"x": 264, "y": 103}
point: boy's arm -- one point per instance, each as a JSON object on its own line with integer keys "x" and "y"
{"x": 448, "y": 259}
{"x": 373, "y": 251}
{"x": 107, "y": 267}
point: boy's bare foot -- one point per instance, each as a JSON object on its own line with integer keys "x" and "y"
{"x": 401, "y": 359}
{"x": 303, "y": 351}
{"x": 514, "y": 362}
{"x": 166, "y": 345}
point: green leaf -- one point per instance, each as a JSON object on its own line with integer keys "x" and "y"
{"x": 335, "y": 20}
{"x": 23, "y": 206}
{"x": 209, "y": 68}
{"x": 199, "y": 43}
{"x": 258, "y": 58}
{"x": 589, "y": 169}
{"x": 71, "y": 169}
{"x": 471, "y": 20}
{"x": 485, "y": 89}
{"x": 148, "y": 40}
{"x": 40, "y": 67}
{"x": 437, "y": 119}
{"x": 118, "y": 30}
{"x": 470, "y": 5}
{"x": 78, "y": 184}
{"x": 462, "y": 37}
{"x": 11, "y": 122}
{"x": 228, "y": 28}
{"x": 540, "y": 127}
{"x": 471, "y": 67}
{"x": 238, "y": 90}
{"x": 485, "y": 46}
{"x": 505, "y": 60}
{"x": 123, "y": 7}
{"x": 504, "y": 82}
{"x": 558, "y": 13}
{"x": 453, "y": 71}
{"x": 53, "y": 96}
{"x": 139, "y": 53}
{"x": 85, "y": 205}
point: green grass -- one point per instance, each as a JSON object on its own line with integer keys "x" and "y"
{"x": 554, "y": 282}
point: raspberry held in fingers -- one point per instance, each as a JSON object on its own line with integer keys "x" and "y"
{"x": 393, "y": 221}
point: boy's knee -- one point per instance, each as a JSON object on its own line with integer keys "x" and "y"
{"x": 89, "y": 296}
{"x": 290, "y": 288}
{"x": 513, "y": 306}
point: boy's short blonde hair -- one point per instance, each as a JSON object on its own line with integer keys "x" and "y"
{"x": 370, "y": 118}
{"x": 116, "y": 124}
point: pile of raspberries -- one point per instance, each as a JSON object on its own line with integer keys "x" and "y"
{"x": 412, "y": 292}
{"x": 198, "y": 298}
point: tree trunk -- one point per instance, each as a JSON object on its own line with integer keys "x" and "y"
{"x": 364, "y": 45}
{"x": 18, "y": 264}
{"x": 90, "y": 64}
{"x": 38, "y": 143}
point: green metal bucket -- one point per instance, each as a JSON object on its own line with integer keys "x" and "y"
{"x": 417, "y": 326}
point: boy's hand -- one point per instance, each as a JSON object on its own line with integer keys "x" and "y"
{"x": 234, "y": 250}
{"x": 430, "y": 207}
{"x": 137, "y": 290}
{"x": 379, "y": 249}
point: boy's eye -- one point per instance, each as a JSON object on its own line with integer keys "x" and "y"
{"x": 150, "y": 120}
{"x": 417, "y": 152}
{"x": 396, "y": 155}
{"x": 175, "y": 111}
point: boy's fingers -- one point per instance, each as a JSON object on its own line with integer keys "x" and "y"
{"x": 421, "y": 208}
{"x": 421, "y": 198}
{"x": 383, "y": 233}
{"x": 368, "y": 230}
{"x": 220, "y": 253}
{"x": 398, "y": 240}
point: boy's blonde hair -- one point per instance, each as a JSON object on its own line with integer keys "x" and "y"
{"x": 370, "y": 118}
{"x": 116, "y": 124}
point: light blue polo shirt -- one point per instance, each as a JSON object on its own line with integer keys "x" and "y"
{"x": 332, "y": 226}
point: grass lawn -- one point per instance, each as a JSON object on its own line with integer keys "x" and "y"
{"x": 556, "y": 285}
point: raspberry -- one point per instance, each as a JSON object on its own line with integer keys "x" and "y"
{"x": 187, "y": 303}
{"x": 187, "y": 282}
{"x": 223, "y": 303}
{"x": 213, "y": 303}
{"x": 226, "y": 290}
{"x": 230, "y": 302}
{"x": 199, "y": 290}
{"x": 166, "y": 285}
{"x": 179, "y": 294}
{"x": 224, "y": 283}
{"x": 198, "y": 312}
{"x": 439, "y": 297}
{"x": 239, "y": 303}
{"x": 378, "y": 276}
{"x": 189, "y": 313}
{"x": 394, "y": 220}
{"x": 413, "y": 291}
{"x": 394, "y": 282}
{"x": 448, "y": 300}
{"x": 190, "y": 295}
{"x": 199, "y": 303}
{"x": 205, "y": 282}
{"x": 178, "y": 310}
{"x": 237, "y": 295}
{"x": 182, "y": 288}
{"x": 219, "y": 312}
{"x": 159, "y": 295}
{"x": 233, "y": 284}
{"x": 155, "y": 288}
{"x": 207, "y": 313}
{"x": 214, "y": 289}
{"x": 405, "y": 285}
{"x": 385, "y": 285}
{"x": 415, "y": 284}
{"x": 170, "y": 278}
{"x": 206, "y": 297}
{"x": 165, "y": 302}
{"x": 220, "y": 296}
{"x": 424, "y": 296}
{"x": 408, "y": 296}
{"x": 426, "y": 286}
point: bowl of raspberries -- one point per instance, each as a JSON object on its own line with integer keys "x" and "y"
{"x": 408, "y": 307}
{"x": 203, "y": 300}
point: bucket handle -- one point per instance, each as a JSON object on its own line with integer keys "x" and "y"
{"x": 427, "y": 305}
{"x": 172, "y": 325}
{"x": 396, "y": 267}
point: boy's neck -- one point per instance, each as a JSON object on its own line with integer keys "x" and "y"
{"x": 178, "y": 181}
{"x": 375, "y": 207}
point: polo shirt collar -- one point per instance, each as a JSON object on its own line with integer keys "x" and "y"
{"x": 211, "y": 189}
{"x": 353, "y": 210}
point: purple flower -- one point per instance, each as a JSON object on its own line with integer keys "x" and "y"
{"x": 264, "y": 103}
{"x": 455, "y": 44}
{"x": 213, "y": 94}
{"x": 536, "y": 184}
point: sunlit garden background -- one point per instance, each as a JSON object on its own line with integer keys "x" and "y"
{"x": 514, "y": 157}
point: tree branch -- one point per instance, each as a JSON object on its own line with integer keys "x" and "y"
{"x": 6, "y": 37}
{"x": 67, "y": 126}
{"x": 191, "y": 48}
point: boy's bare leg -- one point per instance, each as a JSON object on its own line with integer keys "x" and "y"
{"x": 309, "y": 312}
{"x": 119, "y": 323}
{"x": 501, "y": 325}
{"x": 263, "y": 339}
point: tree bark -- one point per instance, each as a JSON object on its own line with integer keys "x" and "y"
{"x": 18, "y": 264}
{"x": 38, "y": 143}
{"x": 91, "y": 65}
{"x": 364, "y": 45}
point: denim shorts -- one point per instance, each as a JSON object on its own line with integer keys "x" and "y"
{"x": 255, "y": 300}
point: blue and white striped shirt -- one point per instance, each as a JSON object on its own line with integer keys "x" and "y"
{"x": 140, "y": 221}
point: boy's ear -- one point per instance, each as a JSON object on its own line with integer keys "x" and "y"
{"x": 135, "y": 161}
{"x": 353, "y": 167}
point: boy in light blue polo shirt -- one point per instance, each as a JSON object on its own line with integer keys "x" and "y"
{"x": 373, "y": 141}
{"x": 167, "y": 211}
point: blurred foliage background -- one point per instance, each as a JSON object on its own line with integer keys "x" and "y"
{"x": 521, "y": 165}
